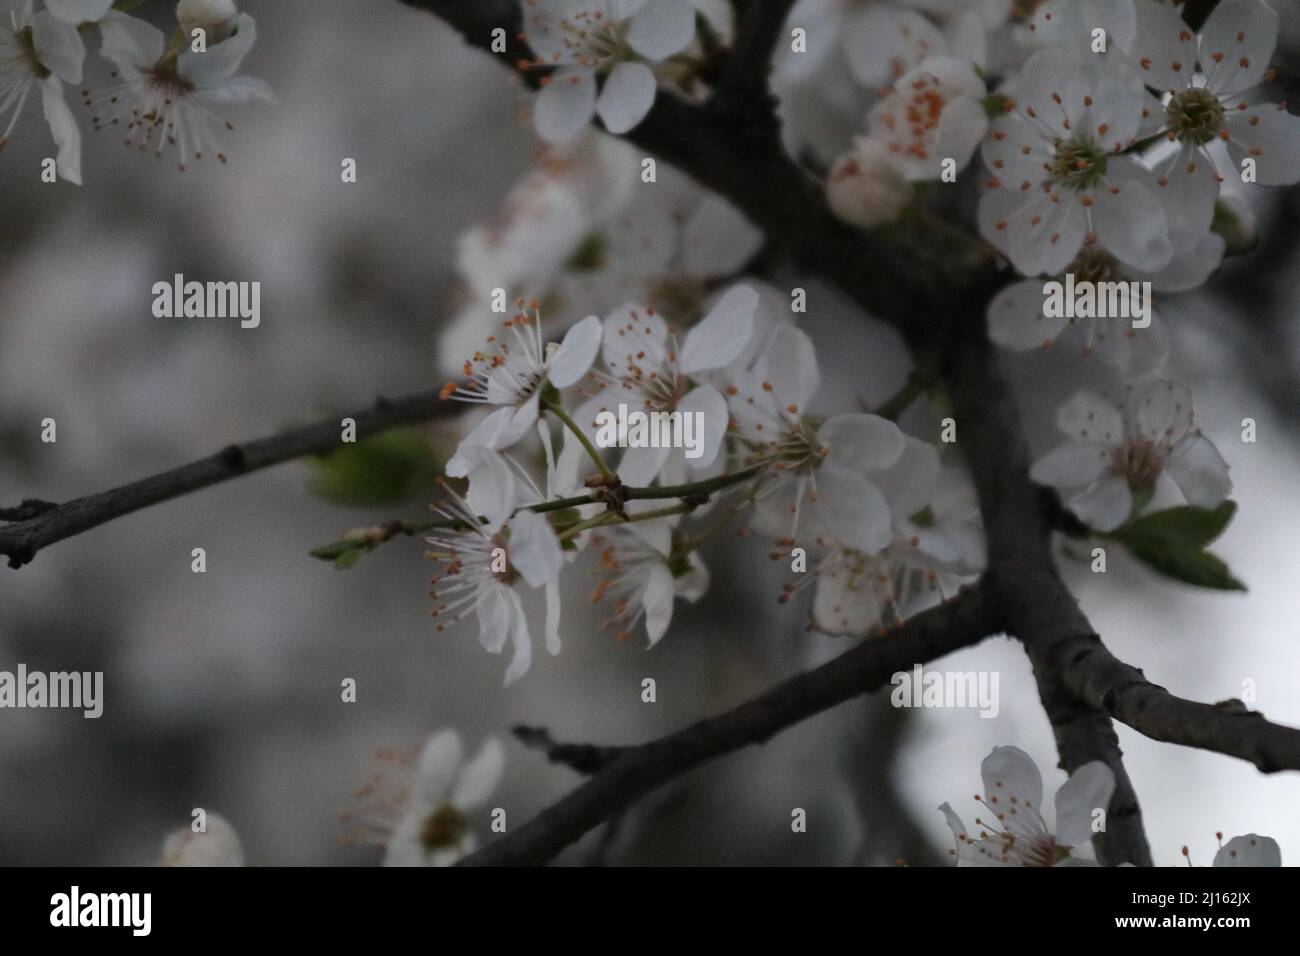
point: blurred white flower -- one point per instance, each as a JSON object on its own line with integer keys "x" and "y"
{"x": 1115, "y": 455}
{"x": 866, "y": 187}
{"x": 1059, "y": 180}
{"x": 1014, "y": 832}
{"x": 418, "y": 808}
{"x": 218, "y": 845}
{"x": 933, "y": 113}
{"x": 816, "y": 482}
{"x": 45, "y": 49}
{"x": 167, "y": 97}
{"x": 613, "y": 39}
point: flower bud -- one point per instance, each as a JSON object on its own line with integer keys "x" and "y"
{"x": 865, "y": 187}
{"x": 217, "y": 17}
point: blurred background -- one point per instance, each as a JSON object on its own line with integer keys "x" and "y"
{"x": 222, "y": 690}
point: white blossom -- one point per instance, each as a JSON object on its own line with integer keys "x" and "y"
{"x": 1059, "y": 180}
{"x": 481, "y": 564}
{"x": 1011, "y": 830}
{"x": 816, "y": 483}
{"x": 642, "y": 574}
{"x": 1114, "y": 455}
{"x": 616, "y": 40}
{"x": 933, "y": 113}
{"x": 44, "y": 49}
{"x": 169, "y": 97}
{"x": 417, "y": 807}
{"x": 1207, "y": 112}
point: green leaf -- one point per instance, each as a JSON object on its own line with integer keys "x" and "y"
{"x": 384, "y": 469}
{"x": 1200, "y": 568}
{"x": 1172, "y": 542}
{"x": 1184, "y": 528}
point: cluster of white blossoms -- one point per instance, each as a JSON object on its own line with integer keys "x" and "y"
{"x": 167, "y": 93}
{"x": 860, "y": 510}
{"x": 1115, "y": 141}
{"x": 1011, "y": 830}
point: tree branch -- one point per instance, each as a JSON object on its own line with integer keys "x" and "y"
{"x": 47, "y": 525}
{"x": 636, "y": 771}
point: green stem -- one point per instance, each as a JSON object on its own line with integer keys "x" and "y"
{"x": 572, "y": 426}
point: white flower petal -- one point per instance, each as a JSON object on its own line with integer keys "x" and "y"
{"x": 522, "y": 659}
{"x": 1200, "y": 471}
{"x": 1089, "y": 788}
{"x": 626, "y": 97}
{"x": 1271, "y": 136}
{"x": 564, "y": 106}
{"x": 910, "y": 483}
{"x": 1237, "y": 43}
{"x": 1090, "y": 419}
{"x": 478, "y": 778}
{"x": 662, "y": 28}
{"x": 221, "y": 60}
{"x": 1071, "y": 465}
{"x": 789, "y": 366}
{"x": 717, "y": 240}
{"x": 1129, "y": 220}
{"x": 722, "y": 334}
{"x": 79, "y": 11}
{"x": 130, "y": 40}
{"x": 495, "y": 610}
{"x": 534, "y": 549}
{"x": 1163, "y": 412}
{"x": 706, "y": 402}
{"x": 1009, "y": 772}
{"x": 842, "y": 605}
{"x": 658, "y": 602}
{"x": 851, "y": 510}
{"x": 1249, "y": 850}
{"x": 64, "y": 129}
{"x": 1163, "y": 42}
{"x": 1016, "y": 319}
{"x": 860, "y": 442}
{"x": 1105, "y": 506}
{"x": 553, "y": 607}
{"x": 641, "y": 466}
{"x": 576, "y": 353}
{"x": 58, "y": 46}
